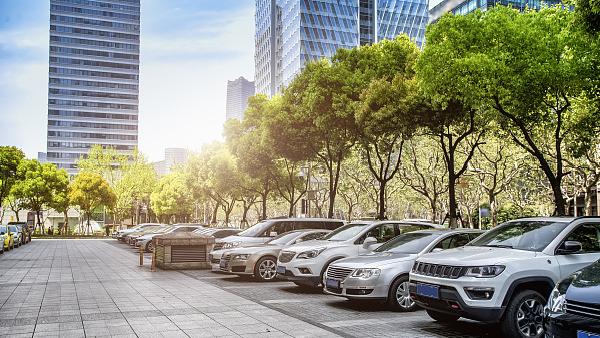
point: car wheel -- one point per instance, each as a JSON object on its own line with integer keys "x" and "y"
{"x": 442, "y": 317}
{"x": 399, "y": 297}
{"x": 524, "y": 316}
{"x": 266, "y": 268}
{"x": 150, "y": 247}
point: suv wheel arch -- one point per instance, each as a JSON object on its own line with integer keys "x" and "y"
{"x": 543, "y": 285}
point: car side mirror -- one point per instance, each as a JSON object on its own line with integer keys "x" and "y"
{"x": 368, "y": 242}
{"x": 569, "y": 247}
{"x": 273, "y": 233}
{"x": 437, "y": 250}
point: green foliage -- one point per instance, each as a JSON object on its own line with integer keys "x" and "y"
{"x": 89, "y": 191}
{"x": 588, "y": 14}
{"x": 106, "y": 162}
{"x": 172, "y": 197}
{"x": 137, "y": 181}
{"x": 10, "y": 157}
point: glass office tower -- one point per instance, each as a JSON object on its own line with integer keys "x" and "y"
{"x": 290, "y": 33}
{"x": 93, "y": 82}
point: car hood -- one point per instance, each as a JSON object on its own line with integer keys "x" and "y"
{"x": 377, "y": 259}
{"x": 255, "y": 249}
{"x": 244, "y": 241}
{"x": 309, "y": 245}
{"x": 476, "y": 255}
{"x": 585, "y": 285}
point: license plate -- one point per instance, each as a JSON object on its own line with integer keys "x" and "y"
{"x": 223, "y": 264}
{"x": 332, "y": 283}
{"x": 583, "y": 334}
{"x": 426, "y": 290}
{"x": 281, "y": 270}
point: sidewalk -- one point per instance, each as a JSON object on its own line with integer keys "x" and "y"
{"x": 81, "y": 288}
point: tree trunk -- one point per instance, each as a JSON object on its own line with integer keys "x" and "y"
{"x": 66, "y": 223}
{"x": 39, "y": 223}
{"x": 89, "y": 225}
{"x": 559, "y": 200}
{"x": 244, "y": 222}
{"x": 452, "y": 214}
{"x": 381, "y": 210}
{"x": 350, "y": 209}
{"x": 433, "y": 205}
{"x": 264, "y": 196}
{"x": 213, "y": 218}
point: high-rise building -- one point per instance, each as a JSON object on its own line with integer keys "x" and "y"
{"x": 290, "y": 33}
{"x": 93, "y": 83}
{"x": 238, "y": 92}
{"x": 173, "y": 157}
{"x": 437, "y": 8}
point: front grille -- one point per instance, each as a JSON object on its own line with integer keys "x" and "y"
{"x": 224, "y": 262}
{"x": 286, "y": 256}
{"x": 437, "y": 270}
{"x": 338, "y": 273}
{"x": 218, "y": 246}
{"x": 581, "y": 309}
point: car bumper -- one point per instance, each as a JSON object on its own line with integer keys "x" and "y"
{"x": 568, "y": 325}
{"x": 239, "y": 267}
{"x": 451, "y": 302}
{"x": 355, "y": 288}
{"x": 300, "y": 273}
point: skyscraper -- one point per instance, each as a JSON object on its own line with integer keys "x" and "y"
{"x": 238, "y": 92}
{"x": 437, "y": 8}
{"x": 93, "y": 82}
{"x": 290, "y": 33}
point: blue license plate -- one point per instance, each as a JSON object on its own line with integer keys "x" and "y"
{"x": 583, "y": 334}
{"x": 281, "y": 270}
{"x": 430, "y": 291}
{"x": 332, "y": 283}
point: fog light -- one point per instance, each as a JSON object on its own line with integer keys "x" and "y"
{"x": 477, "y": 293}
{"x": 304, "y": 271}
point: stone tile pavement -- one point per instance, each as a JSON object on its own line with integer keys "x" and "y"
{"x": 92, "y": 288}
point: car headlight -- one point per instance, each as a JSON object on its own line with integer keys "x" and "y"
{"x": 241, "y": 257}
{"x": 310, "y": 253}
{"x": 486, "y": 271}
{"x": 556, "y": 302}
{"x": 366, "y": 273}
{"x": 230, "y": 245}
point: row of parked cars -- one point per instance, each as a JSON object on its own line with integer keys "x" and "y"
{"x": 534, "y": 276}
{"x": 13, "y": 235}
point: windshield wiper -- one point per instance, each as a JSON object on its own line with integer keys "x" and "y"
{"x": 499, "y": 246}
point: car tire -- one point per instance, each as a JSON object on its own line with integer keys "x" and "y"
{"x": 442, "y": 317}
{"x": 265, "y": 269}
{"x": 524, "y": 316}
{"x": 149, "y": 247}
{"x": 398, "y": 296}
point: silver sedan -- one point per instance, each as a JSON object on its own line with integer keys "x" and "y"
{"x": 383, "y": 274}
{"x": 261, "y": 260}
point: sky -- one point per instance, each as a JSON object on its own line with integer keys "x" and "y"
{"x": 189, "y": 49}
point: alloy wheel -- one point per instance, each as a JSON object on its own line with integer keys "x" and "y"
{"x": 267, "y": 269}
{"x": 530, "y": 318}
{"x": 403, "y": 296}
{"x": 150, "y": 246}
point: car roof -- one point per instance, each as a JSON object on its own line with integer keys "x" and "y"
{"x": 450, "y": 231}
{"x": 567, "y": 219}
{"x": 301, "y": 219}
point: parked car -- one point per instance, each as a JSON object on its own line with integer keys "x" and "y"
{"x": 121, "y": 234}
{"x": 146, "y": 242}
{"x": 507, "y": 274}
{"x": 130, "y": 237}
{"x": 218, "y": 232}
{"x": 267, "y": 229}
{"x": 305, "y": 263}
{"x": 573, "y": 309}
{"x": 24, "y": 230}
{"x": 9, "y": 241}
{"x": 17, "y": 235}
{"x": 383, "y": 274}
{"x": 260, "y": 261}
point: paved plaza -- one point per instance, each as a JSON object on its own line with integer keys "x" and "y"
{"x": 95, "y": 288}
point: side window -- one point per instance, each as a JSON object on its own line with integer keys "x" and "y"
{"x": 308, "y": 225}
{"x": 278, "y": 228}
{"x": 185, "y": 229}
{"x": 331, "y": 225}
{"x": 589, "y": 237}
{"x": 402, "y": 229}
{"x": 473, "y": 235}
{"x": 310, "y": 236}
{"x": 382, "y": 233}
{"x": 453, "y": 241}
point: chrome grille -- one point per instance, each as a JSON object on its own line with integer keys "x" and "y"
{"x": 224, "y": 263}
{"x": 437, "y": 270}
{"x": 338, "y": 273}
{"x": 218, "y": 246}
{"x": 286, "y": 256}
{"x": 581, "y": 309}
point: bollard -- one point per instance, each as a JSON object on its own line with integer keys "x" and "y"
{"x": 153, "y": 264}
{"x": 141, "y": 255}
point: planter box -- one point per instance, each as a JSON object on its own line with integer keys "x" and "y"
{"x": 183, "y": 251}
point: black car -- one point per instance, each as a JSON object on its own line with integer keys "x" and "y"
{"x": 573, "y": 309}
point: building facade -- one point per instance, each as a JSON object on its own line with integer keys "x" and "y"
{"x": 290, "y": 33}
{"x": 93, "y": 82}
{"x": 238, "y": 92}
{"x": 174, "y": 157}
{"x": 437, "y": 8}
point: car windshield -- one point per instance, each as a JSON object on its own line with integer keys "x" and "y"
{"x": 345, "y": 233}
{"x": 284, "y": 238}
{"x": 521, "y": 235}
{"x": 411, "y": 243}
{"x": 2, "y": 228}
{"x": 12, "y": 228}
{"x": 255, "y": 230}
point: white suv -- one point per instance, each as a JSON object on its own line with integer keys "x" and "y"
{"x": 305, "y": 263}
{"x": 507, "y": 274}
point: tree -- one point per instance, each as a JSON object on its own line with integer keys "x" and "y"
{"x": 89, "y": 191}
{"x": 383, "y": 79}
{"x": 172, "y": 199}
{"x": 61, "y": 203}
{"x": 316, "y": 120}
{"x": 15, "y": 204}
{"x": 10, "y": 157}
{"x": 523, "y": 68}
{"x": 133, "y": 189}
{"x": 38, "y": 184}
{"x": 588, "y": 14}
{"x": 104, "y": 161}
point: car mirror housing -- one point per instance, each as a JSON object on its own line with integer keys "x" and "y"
{"x": 368, "y": 242}
{"x": 569, "y": 247}
{"x": 437, "y": 250}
